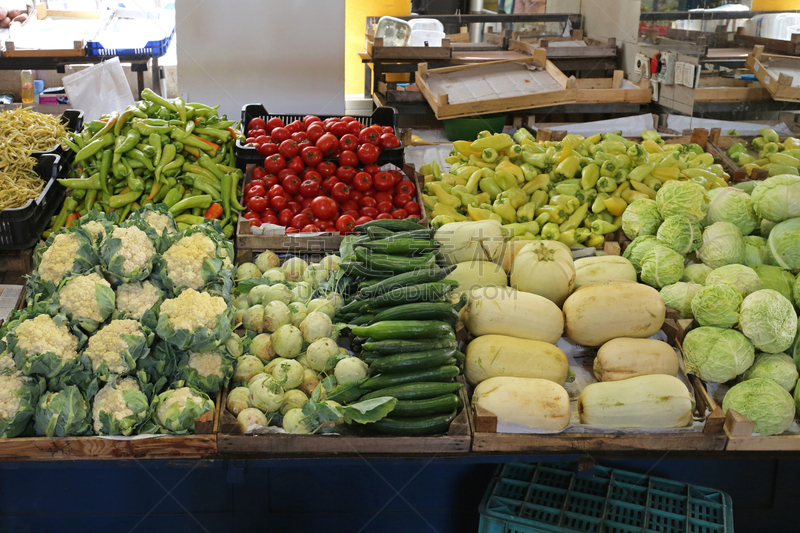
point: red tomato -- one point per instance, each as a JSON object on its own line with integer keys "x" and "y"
{"x": 401, "y": 199}
{"x": 329, "y": 183}
{"x": 412, "y": 208}
{"x": 339, "y": 129}
{"x": 363, "y": 219}
{"x": 315, "y": 131}
{"x": 389, "y": 140}
{"x": 348, "y": 142}
{"x": 278, "y": 203}
{"x": 267, "y": 149}
{"x": 388, "y": 129}
{"x": 302, "y": 143}
{"x": 370, "y": 135}
{"x": 355, "y": 127}
{"x": 345, "y": 224}
{"x": 280, "y": 134}
{"x": 297, "y": 164}
{"x": 312, "y": 156}
{"x": 310, "y": 119}
{"x": 369, "y": 212}
{"x": 362, "y": 181}
{"x": 282, "y": 175}
{"x": 296, "y": 198}
{"x": 256, "y": 190}
{"x": 295, "y": 207}
{"x": 367, "y": 201}
{"x": 325, "y": 225}
{"x": 292, "y": 230}
{"x": 255, "y": 222}
{"x": 313, "y": 175}
{"x": 256, "y": 123}
{"x": 273, "y": 123}
{"x": 274, "y": 163}
{"x": 405, "y": 187}
{"x": 328, "y": 144}
{"x": 383, "y": 181}
{"x": 257, "y": 204}
{"x": 372, "y": 169}
{"x": 327, "y": 169}
{"x": 384, "y": 216}
{"x": 397, "y": 176}
{"x": 285, "y": 216}
{"x": 291, "y": 184}
{"x": 324, "y": 207}
{"x": 340, "y": 192}
{"x": 352, "y": 212}
{"x": 263, "y": 139}
{"x": 251, "y": 215}
{"x": 350, "y": 205}
{"x": 347, "y": 119}
{"x": 311, "y": 228}
{"x": 383, "y": 197}
{"x": 250, "y": 141}
{"x": 270, "y": 181}
{"x": 253, "y": 183}
{"x": 259, "y": 173}
{"x": 368, "y": 153}
{"x": 256, "y": 133}
{"x": 385, "y": 207}
{"x": 309, "y": 189}
{"x": 300, "y": 221}
{"x": 306, "y": 203}
{"x": 288, "y": 148}
{"x": 295, "y": 127}
{"x": 371, "y": 193}
{"x": 299, "y": 136}
{"x": 356, "y": 195}
{"x": 269, "y": 219}
{"x": 399, "y": 214}
{"x": 346, "y": 174}
{"x": 348, "y": 158}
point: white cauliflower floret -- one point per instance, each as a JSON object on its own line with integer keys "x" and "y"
{"x": 192, "y": 310}
{"x": 180, "y": 396}
{"x": 107, "y": 345}
{"x": 9, "y": 401}
{"x": 78, "y": 297}
{"x": 6, "y": 361}
{"x": 136, "y": 298}
{"x": 111, "y": 400}
{"x": 95, "y": 228}
{"x": 137, "y": 249}
{"x": 206, "y": 364}
{"x": 41, "y": 335}
{"x": 58, "y": 259}
{"x": 159, "y": 222}
{"x": 185, "y": 259}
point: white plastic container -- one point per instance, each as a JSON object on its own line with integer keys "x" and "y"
{"x": 426, "y": 38}
{"x": 394, "y": 31}
{"x": 710, "y": 25}
{"x": 426, "y": 24}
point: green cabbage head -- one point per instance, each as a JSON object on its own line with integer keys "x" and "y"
{"x": 755, "y": 251}
{"x": 764, "y": 402}
{"x": 662, "y": 266}
{"x": 729, "y": 204}
{"x": 680, "y": 234}
{"x": 641, "y": 218}
{"x": 679, "y": 297}
{"x": 743, "y": 279}
{"x": 696, "y": 273}
{"x": 637, "y": 249}
{"x": 776, "y": 279}
{"x": 717, "y": 305}
{"x": 784, "y": 244}
{"x": 778, "y": 367}
{"x": 63, "y": 413}
{"x": 717, "y": 355}
{"x": 777, "y": 198}
{"x": 768, "y": 319}
{"x": 682, "y": 198}
{"x": 722, "y": 245}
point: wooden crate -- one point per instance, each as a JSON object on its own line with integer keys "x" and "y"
{"x": 443, "y": 109}
{"x": 486, "y": 439}
{"x": 778, "y": 84}
{"x": 41, "y": 13}
{"x": 231, "y": 441}
{"x": 377, "y": 51}
{"x": 202, "y": 444}
{"x": 772, "y": 46}
{"x": 595, "y": 48}
{"x": 612, "y": 90}
{"x": 715, "y": 89}
{"x": 719, "y": 147}
{"x": 300, "y": 243}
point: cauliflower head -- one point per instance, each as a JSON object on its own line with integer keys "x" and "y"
{"x": 176, "y": 409}
{"x": 199, "y": 259}
{"x": 116, "y": 347}
{"x": 88, "y": 299}
{"x": 66, "y": 252}
{"x": 97, "y": 224}
{"x": 207, "y": 371}
{"x": 137, "y": 299}
{"x": 43, "y": 346}
{"x": 18, "y": 397}
{"x": 195, "y": 321}
{"x": 127, "y": 253}
{"x": 119, "y": 408}
{"x": 160, "y": 222}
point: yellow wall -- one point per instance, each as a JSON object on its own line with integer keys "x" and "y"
{"x": 775, "y": 5}
{"x": 355, "y": 18}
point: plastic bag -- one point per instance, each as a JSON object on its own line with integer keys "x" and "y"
{"x": 99, "y": 89}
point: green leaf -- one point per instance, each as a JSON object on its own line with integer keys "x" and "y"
{"x": 368, "y": 411}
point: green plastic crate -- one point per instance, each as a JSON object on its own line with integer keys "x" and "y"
{"x": 549, "y": 498}
{"x": 468, "y": 128}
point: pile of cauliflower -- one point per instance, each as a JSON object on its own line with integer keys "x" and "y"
{"x": 128, "y": 329}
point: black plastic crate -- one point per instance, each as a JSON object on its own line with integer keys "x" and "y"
{"x": 73, "y": 120}
{"x": 383, "y": 116}
{"x": 20, "y": 228}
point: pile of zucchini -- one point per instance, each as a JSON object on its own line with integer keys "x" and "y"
{"x": 401, "y": 321}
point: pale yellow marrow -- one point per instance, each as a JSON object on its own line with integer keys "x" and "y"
{"x": 535, "y": 403}
{"x": 498, "y": 355}
{"x": 476, "y": 274}
{"x": 626, "y": 358}
{"x": 602, "y": 268}
{"x": 507, "y": 311}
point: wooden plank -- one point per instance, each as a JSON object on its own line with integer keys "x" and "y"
{"x": 773, "y": 46}
{"x": 377, "y": 51}
{"x": 756, "y": 93}
{"x": 738, "y": 425}
{"x": 78, "y": 46}
{"x": 778, "y": 86}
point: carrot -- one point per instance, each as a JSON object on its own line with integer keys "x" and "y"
{"x": 214, "y": 211}
{"x": 72, "y": 217}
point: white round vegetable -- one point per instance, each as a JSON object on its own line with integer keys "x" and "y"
{"x": 274, "y": 275}
{"x": 278, "y": 292}
{"x": 267, "y": 260}
{"x": 240, "y": 302}
{"x": 253, "y": 319}
{"x": 316, "y": 326}
{"x": 294, "y": 268}
{"x": 293, "y": 422}
{"x": 266, "y": 394}
{"x": 293, "y": 399}
{"x": 322, "y": 305}
{"x": 246, "y": 367}
{"x": 302, "y": 292}
{"x": 322, "y": 355}
{"x": 330, "y": 263}
{"x": 287, "y": 341}
{"x": 272, "y": 364}
{"x": 276, "y": 314}
{"x": 247, "y": 271}
{"x": 257, "y": 377}
{"x": 349, "y": 370}
{"x": 251, "y": 416}
{"x": 238, "y": 400}
{"x": 335, "y": 405}
{"x": 337, "y": 300}
{"x": 310, "y": 381}
{"x": 256, "y": 294}
{"x": 261, "y": 347}
{"x": 289, "y": 373}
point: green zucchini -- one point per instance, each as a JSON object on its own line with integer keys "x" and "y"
{"x": 460, "y": 357}
{"x": 419, "y": 311}
{"x": 344, "y": 394}
{"x": 415, "y": 391}
{"x": 392, "y": 346}
{"x": 391, "y": 265}
{"x": 407, "y": 362}
{"x": 407, "y": 224}
{"x": 401, "y": 246}
{"x": 426, "y": 292}
{"x": 353, "y": 268}
{"x": 354, "y": 307}
{"x": 425, "y": 234}
{"x": 415, "y": 426}
{"x": 440, "y": 373}
{"x": 376, "y": 233}
{"x": 362, "y": 319}
{"x": 404, "y": 329}
{"x": 444, "y": 404}
{"x": 434, "y": 273}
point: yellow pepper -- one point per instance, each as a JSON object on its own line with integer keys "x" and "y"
{"x": 622, "y": 188}
{"x": 749, "y": 167}
{"x": 598, "y": 206}
{"x": 428, "y": 201}
{"x": 516, "y": 229}
{"x": 641, "y": 172}
{"x": 460, "y": 192}
{"x": 511, "y": 168}
{"x": 466, "y": 170}
{"x": 582, "y": 234}
{"x": 784, "y": 159}
{"x": 573, "y": 139}
{"x": 473, "y": 181}
{"x": 666, "y": 173}
{"x": 775, "y": 169}
{"x": 651, "y": 182}
{"x": 477, "y": 161}
{"x": 505, "y": 180}
{"x": 429, "y": 178}
{"x": 575, "y": 218}
{"x": 527, "y": 212}
{"x": 444, "y": 209}
{"x": 568, "y": 167}
{"x": 515, "y": 195}
{"x": 615, "y": 206}
{"x": 791, "y": 143}
{"x": 556, "y": 212}
{"x": 567, "y": 237}
{"x": 594, "y": 139}
{"x": 498, "y": 141}
{"x": 631, "y": 195}
{"x": 550, "y": 231}
{"x": 719, "y": 183}
{"x": 448, "y": 178}
{"x": 539, "y": 198}
{"x": 589, "y": 176}
{"x": 476, "y": 213}
{"x": 540, "y": 182}
{"x": 452, "y": 159}
{"x": 563, "y": 151}
{"x": 601, "y": 227}
{"x": 568, "y": 203}
{"x": 503, "y": 207}
{"x": 483, "y": 197}
{"x": 769, "y": 135}
{"x": 641, "y": 187}
{"x": 462, "y": 147}
{"x": 444, "y": 197}
{"x": 613, "y": 147}
{"x": 651, "y": 147}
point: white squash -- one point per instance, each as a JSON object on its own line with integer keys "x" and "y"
{"x": 476, "y": 274}
{"x": 507, "y": 311}
{"x": 544, "y": 268}
{"x": 498, "y": 355}
{"x": 656, "y": 401}
{"x": 536, "y": 403}
{"x": 510, "y": 251}
{"x": 602, "y": 268}
{"x": 626, "y": 358}
{"x": 605, "y": 310}
{"x": 475, "y": 240}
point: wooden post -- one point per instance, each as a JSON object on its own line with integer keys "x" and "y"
{"x": 738, "y": 425}
{"x": 616, "y": 81}
{"x": 700, "y": 136}
{"x": 715, "y": 423}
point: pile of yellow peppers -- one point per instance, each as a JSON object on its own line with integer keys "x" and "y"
{"x": 773, "y": 156}
{"x": 573, "y": 191}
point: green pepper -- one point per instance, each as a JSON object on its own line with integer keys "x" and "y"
{"x": 137, "y": 155}
{"x": 135, "y": 183}
{"x": 542, "y": 219}
{"x": 173, "y": 196}
{"x": 127, "y": 143}
{"x": 78, "y": 194}
{"x": 206, "y": 187}
{"x": 235, "y": 177}
{"x": 522, "y": 134}
{"x": 606, "y": 184}
{"x": 550, "y": 231}
{"x": 538, "y": 160}
{"x": 228, "y": 231}
{"x": 71, "y": 145}
{"x": 189, "y": 219}
{"x": 121, "y": 200}
{"x": 146, "y": 129}
{"x": 167, "y": 155}
{"x": 489, "y": 186}
{"x": 202, "y": 202}
{"x": 92, "y": 182}
{"x": 105, "y": 165}
{"x": 95, "y": 146}
{"x": 226, "y": 194}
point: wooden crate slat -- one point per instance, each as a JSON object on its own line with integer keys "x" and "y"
{"x": 780, "y": 87}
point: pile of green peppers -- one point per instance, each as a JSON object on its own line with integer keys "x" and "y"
{"x": 156, "y": 151}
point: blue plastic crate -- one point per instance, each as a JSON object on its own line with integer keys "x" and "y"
{"x": 151, "y": 48}
{"x": 549, "y": 498}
